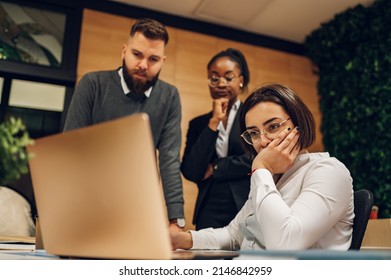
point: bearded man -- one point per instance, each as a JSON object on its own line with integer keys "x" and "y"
{"x": 135, "y": 87}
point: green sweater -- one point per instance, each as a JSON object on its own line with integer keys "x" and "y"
{"x": 99, "y": 97}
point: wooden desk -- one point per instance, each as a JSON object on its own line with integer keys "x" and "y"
{"x": 17, "y": 243}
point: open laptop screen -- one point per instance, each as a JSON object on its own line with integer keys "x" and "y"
{"x": 98, "y": 193}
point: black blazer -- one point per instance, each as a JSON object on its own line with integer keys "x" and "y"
{"x": 231, "y": 172}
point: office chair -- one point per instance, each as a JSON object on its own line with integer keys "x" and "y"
{"x": 363, "y": 202}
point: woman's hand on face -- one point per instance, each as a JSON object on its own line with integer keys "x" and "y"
{"x": 279, "y": 155}
{"x": 220, "y": 107}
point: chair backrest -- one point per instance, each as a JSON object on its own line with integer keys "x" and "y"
{"x": 363, "y": 202}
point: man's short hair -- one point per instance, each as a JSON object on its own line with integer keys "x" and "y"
{"x": 151, "y": 29}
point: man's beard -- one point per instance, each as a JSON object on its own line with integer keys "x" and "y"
{"x": 134, "y": 85}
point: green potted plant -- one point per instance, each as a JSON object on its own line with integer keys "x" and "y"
{"x": 13, "y": 155}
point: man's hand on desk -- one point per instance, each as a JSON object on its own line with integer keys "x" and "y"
{"x": 181, "y": 240}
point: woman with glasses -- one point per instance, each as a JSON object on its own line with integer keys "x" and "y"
{"x": 298, "y": 200}
{"x": 214, "y": 157}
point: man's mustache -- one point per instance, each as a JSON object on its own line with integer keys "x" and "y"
{"x": 138, "y": 71}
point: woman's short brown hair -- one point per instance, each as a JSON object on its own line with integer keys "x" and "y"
{"x": 292, "y": 104}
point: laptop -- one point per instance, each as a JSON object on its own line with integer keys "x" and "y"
{"x": 98, "y": 192}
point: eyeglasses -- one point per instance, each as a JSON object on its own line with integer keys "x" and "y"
{"x": 214, "y": 81}
{"x": 271, "y": 131}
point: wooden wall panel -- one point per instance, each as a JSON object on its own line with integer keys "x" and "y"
{"x": 168, "y": 71}
{"x": 187, "y": 54}
{"x": 102, "y": 37}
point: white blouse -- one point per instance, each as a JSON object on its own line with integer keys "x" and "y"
{"x": 310, "y": 207}
{"x": 223, "y": 136}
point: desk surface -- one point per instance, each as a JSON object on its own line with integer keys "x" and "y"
{"x": 239, "y": 255}
{"x": 204, "y": 255}
{"x": 318, "y": 255}
{"x": 24, "y": 248}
